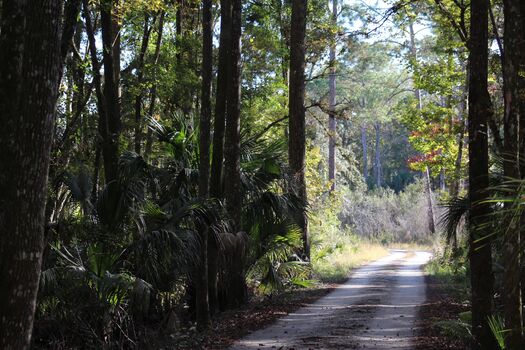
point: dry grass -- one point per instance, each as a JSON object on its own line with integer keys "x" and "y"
{"x": 337, "y": 266}
{"x": 412, "y": 247}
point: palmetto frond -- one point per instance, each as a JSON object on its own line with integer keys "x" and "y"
{"x": 456, "y": 209}
{"x": 279, "y": 265}
{"x": 79, "y": 184}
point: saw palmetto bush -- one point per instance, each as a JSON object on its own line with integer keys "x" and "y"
{"x": 130, "y": 254}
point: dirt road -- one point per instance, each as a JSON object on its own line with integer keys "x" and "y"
{"x": 375, "y": 309}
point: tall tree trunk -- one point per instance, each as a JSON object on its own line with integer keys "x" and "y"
{"x": 109, "y": 128}
{"x": 218, "y": 143}
{"x": 454, "y": 188}
{"x": 364, "y": 144}
{"x": 480, "y": 110}
{"x": 331, "y": 115}
{"x": 428, "y": 190}
{"x": 97, "y": 82}
{"x": 96, "y": 173}
{"x": 30, "y": 71}
{"x": 223, "y": 75}
{"x": 297, "y": 113}
{"x": 521, "y": 97}
{"x": 232, "y": 149}
{"x": 146, "y": 32}
{"x": 377, "y": 161}
{"x": 232, "y": 141}
{"x": 511, "y": 281}
{"x": 79, "y": 94}
{"x": 153, "y": 91}
{"x": 202, "y": 307}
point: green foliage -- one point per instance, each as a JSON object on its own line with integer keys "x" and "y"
{"x": 456, "y": 210}
{"x": 274, "y": 270}
{"x": 450, "y": 268}
{"x": 497, "y": 326}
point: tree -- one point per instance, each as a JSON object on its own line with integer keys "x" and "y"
{"x": 202, "y": 303}
{"x": 331, "y": 115}
{"x": 32, "y": 49}
{"x": 221, "y": 99}
{"x": 232, "y": 153}
{"x": 218, "y": 141}
{"x": 146, "y": 34}
{"x": 297, "y": 138}
{"x": 110, "y": 122}
{"x": 479, "y": 113}
{"x": 521, "y": 95}
{"x": 511, "y": 59}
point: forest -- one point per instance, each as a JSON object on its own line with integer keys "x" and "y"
{"x": 183, "y": 174}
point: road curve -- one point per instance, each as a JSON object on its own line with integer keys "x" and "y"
{"x": 375, "y": 309}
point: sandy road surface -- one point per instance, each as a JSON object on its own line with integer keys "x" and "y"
{"x": 375, "y": 309}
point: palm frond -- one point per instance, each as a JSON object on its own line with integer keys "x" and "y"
{"x": 455, "y": 211}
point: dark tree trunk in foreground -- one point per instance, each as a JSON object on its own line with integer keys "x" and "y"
{"x": 202, "y": 307}
{"x": 332, "y": 93}
{"x": 511, "y": 281}
{"x": 218, "y": 143}
{"x": 237, "y": 291}
{"x": 479, "y": 114}
{"x": 521, "y": 101}
{"x": 30, "y": 70}
{"x": 232, "y": 143}
{"x": 297, "y": 137}
{"x": 109, "y": 128}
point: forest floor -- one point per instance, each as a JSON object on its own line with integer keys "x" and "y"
{"x": 442, "y": 307}
{"x": 388, "y": 304}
